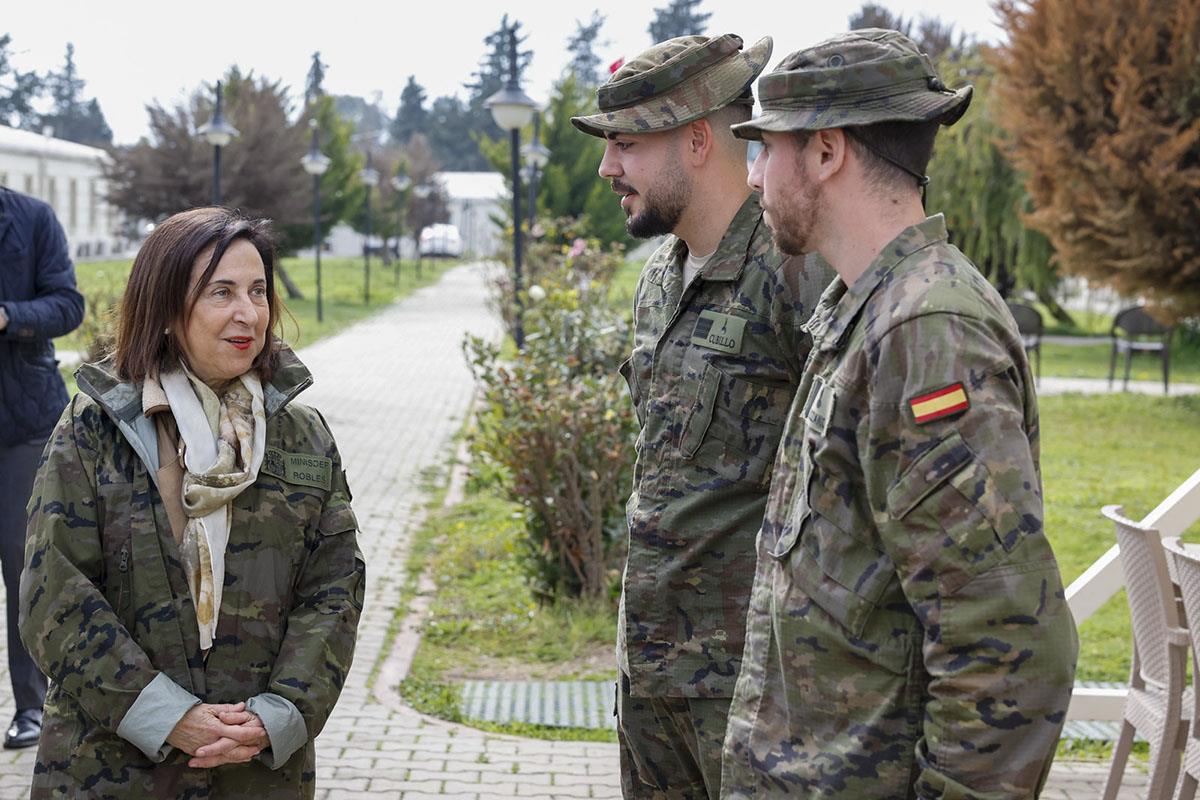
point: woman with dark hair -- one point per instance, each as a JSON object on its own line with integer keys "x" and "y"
{"x": 193, "y": 581}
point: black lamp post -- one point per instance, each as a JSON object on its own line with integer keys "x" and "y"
{"x": 315, "y": 163}
{"x": 370, "y": 178}
{"x": 512, "y": 109}
{"x": 400, "y": 183}
{"x": 218, "y": 133}
{"x": 536, "y": 158}
{"x": 422, "y": 193}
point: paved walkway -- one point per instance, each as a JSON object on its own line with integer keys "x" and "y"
{"x": 395, "y": 390}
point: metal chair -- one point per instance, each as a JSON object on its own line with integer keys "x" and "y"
{"x": 1030, "y": 326}
{"x": 1187, "y": 569}
{"x": 1134, "y": 330}
{"x": 1159, "y": 705}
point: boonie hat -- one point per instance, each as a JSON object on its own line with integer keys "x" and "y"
{"x": 858, "y": 78}
{"x": 676, "y": 82}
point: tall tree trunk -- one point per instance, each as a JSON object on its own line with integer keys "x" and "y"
{"x": 293, "y": 291}
{"x": 1056, "y": 311}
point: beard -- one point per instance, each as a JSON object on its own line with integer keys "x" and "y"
{"x": 663, "y": 205}
{"x": 793, "y": 219}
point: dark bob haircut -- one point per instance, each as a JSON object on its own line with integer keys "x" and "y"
{"x": 157, "y": 303}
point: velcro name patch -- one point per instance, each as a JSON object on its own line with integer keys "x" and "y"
{"x": 719, "y": 331}
{"x": 302, "y": 469}
{"x": 942, "y": 403}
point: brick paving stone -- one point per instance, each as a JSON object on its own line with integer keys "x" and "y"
{"x": 396, "y": 389}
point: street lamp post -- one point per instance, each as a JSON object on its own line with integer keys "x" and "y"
{"x": 512, "y": 109}
{"x": 400, "y": 183}
{"x": 315, "y": 163}
{"x": 421, "y": 192}
{"x": 370, "y": 178}
{"x": 218, "y": 133}
{"x": 536, "y": 158}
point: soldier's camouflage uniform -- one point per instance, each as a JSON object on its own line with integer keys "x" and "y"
{"x": 908, "y": 634}
{"x": 712, "y": 374}
{"x": 106, "y": 609}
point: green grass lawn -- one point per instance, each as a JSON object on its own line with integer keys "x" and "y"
{"x": 484, "y": 621}
{"x": 342, "y": 284}
{"x": 1091, "y": 361}
{"x": 1129, "y": 450}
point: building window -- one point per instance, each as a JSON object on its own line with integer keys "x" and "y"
{"x": 52, "y": 193}
{"x": 3, "y": 179}
{"x": 73, "y": 199}
{"x": 29, "y": 185}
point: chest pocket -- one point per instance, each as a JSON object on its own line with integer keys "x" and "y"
{"x": 734, "y": 425}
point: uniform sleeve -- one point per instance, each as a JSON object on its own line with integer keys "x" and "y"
{"x": 57, "y": 308}
{"x": 66, "y": 622}
{"x": 317, "y": 651}
{"x": 958, "y": 494}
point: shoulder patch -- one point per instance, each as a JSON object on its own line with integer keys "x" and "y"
{"x": 301, "y": 469}
{"x": 944, "y": 402}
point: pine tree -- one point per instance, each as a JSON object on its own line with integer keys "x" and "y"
{"x": 1102, "y": 106}
{"x": 316, "y": 77}
{"x": 18, "y": 90}
{"x": 493, "y": 74}
{"x": 678, "y": 18}
{"x": 411, "y": 117}
{"x": 873, "y": 15}
{"x": 452, "y": 135}
{"x": 71, "y": 117}
{"x": 585, "y": 62}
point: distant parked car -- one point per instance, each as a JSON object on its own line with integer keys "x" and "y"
{"x": 440, "y": 240}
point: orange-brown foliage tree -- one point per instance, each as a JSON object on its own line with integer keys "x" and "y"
{"x": 1102, "y": 106}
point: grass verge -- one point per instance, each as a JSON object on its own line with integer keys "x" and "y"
{"x": 485, "y": 623}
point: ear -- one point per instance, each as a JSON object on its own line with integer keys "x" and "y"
{"x": 698, "y": 142}
{"x": 827, "y": 151}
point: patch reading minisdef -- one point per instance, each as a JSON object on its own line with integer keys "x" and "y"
{"x": 302, "y": 469}
{"x": 942, "y": 403}
{"x": 719, "y": 331}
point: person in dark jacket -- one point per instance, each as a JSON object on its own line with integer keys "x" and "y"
{"x": 38, "y": 301}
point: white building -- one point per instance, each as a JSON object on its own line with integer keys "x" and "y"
{"x": 70, "y": 177}
{"x": 473, "y": 198}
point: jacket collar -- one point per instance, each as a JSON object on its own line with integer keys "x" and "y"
{"x": 840, "y": 305}
{"x": 123, "y": 399}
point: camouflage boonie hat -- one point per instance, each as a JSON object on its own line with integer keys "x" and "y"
{"x": 676, "y": 82}
{"x": 858, "y": 78}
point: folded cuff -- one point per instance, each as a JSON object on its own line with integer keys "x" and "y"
{"x": 285, "y": 727}
{"x": 155, "y": 713}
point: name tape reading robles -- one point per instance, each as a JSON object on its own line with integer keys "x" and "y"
{"x": 303, "y": 469}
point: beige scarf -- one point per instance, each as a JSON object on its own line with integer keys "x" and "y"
{"x": 224, "y": 439}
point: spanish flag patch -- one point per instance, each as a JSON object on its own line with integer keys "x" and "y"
{"x": 941, "y": 403}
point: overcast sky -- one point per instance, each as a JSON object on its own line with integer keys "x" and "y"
{"x": 133, "y": 51}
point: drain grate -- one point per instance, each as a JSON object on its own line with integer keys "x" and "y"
{"x": 557, "y": 704}
{"x": 589, "y": 704}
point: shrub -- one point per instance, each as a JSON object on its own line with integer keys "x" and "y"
{"x": 555, "y": 419}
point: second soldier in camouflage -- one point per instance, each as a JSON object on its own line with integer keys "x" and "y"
{"x": 908, "y": 634}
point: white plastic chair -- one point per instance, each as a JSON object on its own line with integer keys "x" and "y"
{"x": 1159, "y": 705}
{"x": 1187, "y": 569}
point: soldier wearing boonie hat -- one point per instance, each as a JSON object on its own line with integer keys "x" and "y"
{"x": 908, "y": 635}
{"x": 718, "y": 351}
